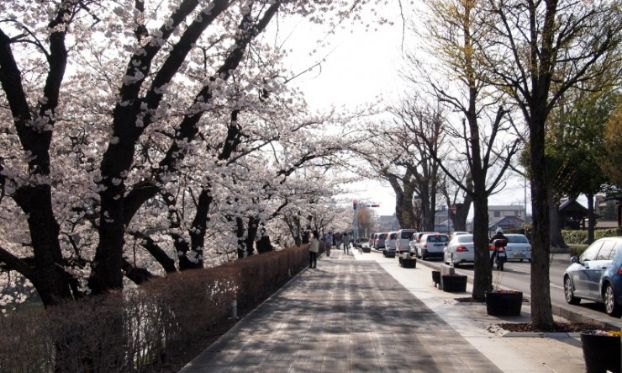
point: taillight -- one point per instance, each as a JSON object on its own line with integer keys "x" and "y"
{"x": 462, "y": 248}
{"x": 425, "y": 245}
{"x": 620, "y": 271}
{"x": 491, "y": 247}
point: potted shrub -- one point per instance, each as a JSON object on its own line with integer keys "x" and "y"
{"x": 454, "y": 283}
{"x": 504, "y": 302}
{"x": 388, "y": 254}
{"x": 601, "y": 350}
{"x": 436, "y": 277}
{"x": 407, "y": 261}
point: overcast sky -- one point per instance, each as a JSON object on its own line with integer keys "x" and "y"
{"x": 360, "y": 66}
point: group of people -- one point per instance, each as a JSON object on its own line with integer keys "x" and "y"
{"x": 329, "y": 240}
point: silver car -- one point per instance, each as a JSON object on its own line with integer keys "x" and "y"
{"x": 597, "y": 275}
{"x": 460, "y": 250}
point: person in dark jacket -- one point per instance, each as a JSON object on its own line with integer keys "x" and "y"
{"x": 498, "y": 236}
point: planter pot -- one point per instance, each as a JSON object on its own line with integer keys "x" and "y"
{"x": 408, "y": 263}
{"x": 504, "y": 304}
{"x": 366, "y": 249}
{"x": 436, "y": 277}
{"x": 601, "y": 353}
{"x": 454, "y": 284}
{"x": 389, "y": 254}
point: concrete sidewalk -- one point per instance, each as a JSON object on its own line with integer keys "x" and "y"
{"x": 510, "y": 352}
{"x": 370, "y": 315}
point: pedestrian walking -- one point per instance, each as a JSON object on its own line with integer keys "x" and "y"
{"x": 337, "y": 239}
{"x": 328, "y": 241}
{"x": 314, "y": 248}
{"x": 346, "y": 242}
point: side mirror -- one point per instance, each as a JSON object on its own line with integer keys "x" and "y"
{"x": 574, "y": 259}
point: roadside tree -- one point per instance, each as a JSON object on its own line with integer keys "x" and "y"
{"x": 539, "y": 51}
{"x": 484, "y": 139}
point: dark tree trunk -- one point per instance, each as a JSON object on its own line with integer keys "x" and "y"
{"x": 239, "y": 232}
{"x": 253, "y": 227}
{"x": 408, "y": 217}
{"x": 557, "y": 240}
{"x": 199, "y": 224}
{"x": 48, "y": 275}
{"x": 462, "y": 212}
{"x": 541, "y": 310}
{"x": 591, "y": 218}
{"x": 482, "y": 281}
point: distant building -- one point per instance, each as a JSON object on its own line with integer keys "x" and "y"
{"x": 387, "y": 223}
{"x": 572, "y": 214}
{"x": 505, "y": 217}
{"x": 495, "y": 213}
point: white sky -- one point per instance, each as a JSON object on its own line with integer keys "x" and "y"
{"x": 361, "y": 66}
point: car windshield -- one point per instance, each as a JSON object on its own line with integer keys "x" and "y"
{"x": 437, "y": 238}
{"x": 465, "y": 238}
{"x": 517, "y": 239}
{"x": 407, "y": 235}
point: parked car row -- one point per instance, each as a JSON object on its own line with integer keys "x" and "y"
{"x": 457, "y": 250}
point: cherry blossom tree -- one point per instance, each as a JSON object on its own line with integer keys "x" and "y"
{"x": 136, "y": 134}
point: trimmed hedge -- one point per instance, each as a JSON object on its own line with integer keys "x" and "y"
{"x": 157, "y": 327}
{"x": 579, "y": 237}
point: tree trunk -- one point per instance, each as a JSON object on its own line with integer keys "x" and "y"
{"x": 557, "y": 240}
{"x": 591, "y": 218}
{"x": 482, "y": 280}
{"x": 239, "y": 232}
{"x": 462, "y": 212}
{"x": 541, "y": 310}
{"x": 253, "y": 227}
{"x": 408, "y": 210}
{"x": 199, "y": 224}
{"x": 49, "y": 276}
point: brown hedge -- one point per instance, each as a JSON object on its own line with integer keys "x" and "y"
{"x": 153, "y": 328}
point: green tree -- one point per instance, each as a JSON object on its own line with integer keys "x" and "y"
{"x": 543, "y": 49}
{"x": 576, "y": 140}
{"x": 613, "y": 146}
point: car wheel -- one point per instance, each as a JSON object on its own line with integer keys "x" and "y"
{"x": 568, "y": 292}
{"x": 611, "y": 306}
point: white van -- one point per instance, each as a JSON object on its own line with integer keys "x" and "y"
{"x": 389, "y": 243}
{"x": 402, "y": 240}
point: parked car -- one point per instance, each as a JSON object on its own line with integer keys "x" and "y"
{"x": 380, "y": 240}
{"x": 389, "y": 244}
{"x": 403, "y": 240}
{"x": 597, "y": 275}
{"x": 432, "y": 245}
{"x": 518, "y": 247}
{"x": 459, "y": 250}
{"x": 414, "y": 242}
{"x": 458, "y": 233}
